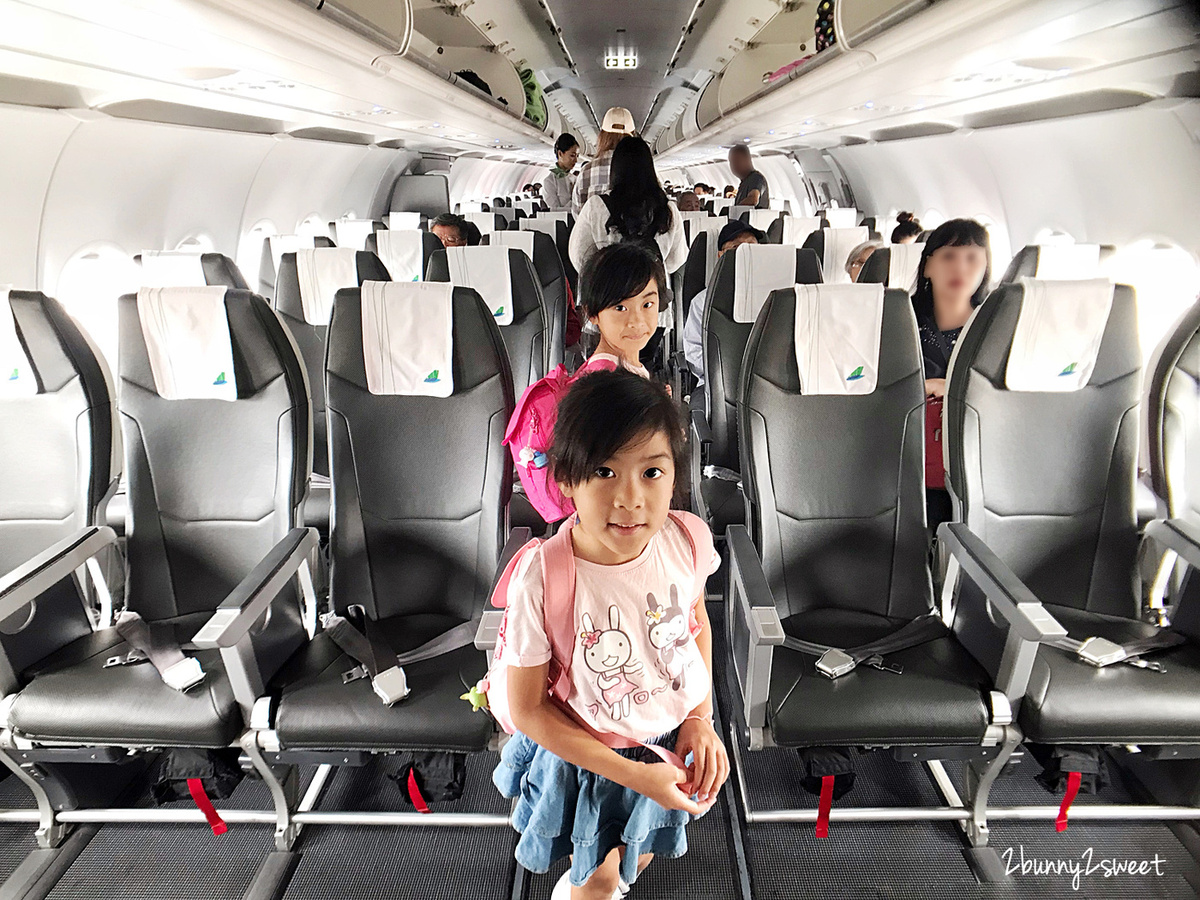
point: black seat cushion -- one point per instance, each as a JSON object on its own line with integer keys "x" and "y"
{"x": 318, "y": 711}
{"x": 725, "y": 505}
{"x": 940, "y": 699}
{"x": 74, "y": 698}
{"x": 1069, "y": 701}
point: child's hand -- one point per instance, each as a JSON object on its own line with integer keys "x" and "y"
{"x": 710, "y": 762}
{"x": 662, "y": 782}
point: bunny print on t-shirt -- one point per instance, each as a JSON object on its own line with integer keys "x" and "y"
{"x": 609, "y": 653}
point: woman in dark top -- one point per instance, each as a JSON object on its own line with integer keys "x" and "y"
{"x": 952, "y": 280}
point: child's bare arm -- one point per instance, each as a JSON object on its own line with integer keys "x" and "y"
{"x": 710, "y": 761}
{"x": 549, "y": 727}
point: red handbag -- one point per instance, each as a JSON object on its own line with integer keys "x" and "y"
{"x": 935, "y": 467}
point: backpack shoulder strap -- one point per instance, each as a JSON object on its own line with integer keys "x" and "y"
{"x": 698, "y": 536}
{"x": 500, "y": 591}
{"x": 558, "y": 606}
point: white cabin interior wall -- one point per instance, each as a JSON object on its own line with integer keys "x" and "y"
{"x": 482, "y": 179}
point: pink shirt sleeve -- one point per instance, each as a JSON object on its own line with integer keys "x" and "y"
{"x": 524, "y": 630}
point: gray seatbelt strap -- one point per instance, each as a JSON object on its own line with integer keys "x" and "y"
{"x": 377, "y": 661}
{"x": 1101, "y": 652}
{"x": 833, "y": 661}
{"x": 156, "y": 642}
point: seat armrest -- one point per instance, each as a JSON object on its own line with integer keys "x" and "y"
{"x": 1178, "y": 535}
{"x": 32, "y": 578}
{"x": 489, "y": 630}
{"x": 1029, "y": 623}
{"x": 754, "y": 629}
{"x": 1007, "y": 593}
{"x": 701, "y": 431}
{"x": 247, "y": 602}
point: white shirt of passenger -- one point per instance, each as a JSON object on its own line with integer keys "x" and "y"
{"x": 636, "y": 670}
{"x": 693, "y": 334}
{"x": 591, "y": 232}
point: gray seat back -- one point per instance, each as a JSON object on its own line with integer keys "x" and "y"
{"x": 876, "y": 269}
{"x": 527, "y": 337}
{"x": 420, "y": 484}
{"x": 213, "y": 484}
{"x": 1026, "y": 261}
{"x": 219, "y": 269}
{"x": 310, "y": 339}
{"x": 835, "y": 485}
{"x": 1173, "y": 418}
{"x": 1046, "y": 478}
{"x": 724, "y": 346}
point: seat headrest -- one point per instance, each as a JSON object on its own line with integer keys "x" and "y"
{"x": 521, "y": 240}
{"x": 838, "y": 244}
{"x": 1067, "y": 262}
{"x": 796, "y": 229}
{"x": 171, "y": 268}
{"x": 17, "y": 376}
{"x": 402, "y": 221}
{"x": 1058, "y": 333}
{"x": 485, "y": 222}
{"x": 762, "y": 218}
{"x": 320, "y": 274}
{"x": 542, "y": 224}
{"x": 837, "y": 334}
{"x": 842, "y": 217}
{"x": 219, "y": 269}
{"x": 407, "y": 338}
{"x": 903, "y": 261}
{"x": 186, "y": 331}
{"x": 288, "y": 243}
{"x": 760, "y": 269}
{"x": 402, "y": 253}
{"x": 487, "y": 271}
{"x": 353, "y": 233}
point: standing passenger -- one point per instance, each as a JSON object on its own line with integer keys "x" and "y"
{"x": 559, "y": 182}
{"x": 907, "y": 230}
{"x": 594, "y": 178}
{"x": 752, "y": 190}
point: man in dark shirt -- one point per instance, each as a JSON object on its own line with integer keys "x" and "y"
{"x": 753, "y": 190}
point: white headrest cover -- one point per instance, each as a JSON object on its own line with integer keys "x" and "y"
{"x": 721, "y": 207}
{"x": 288, "y": 243}
{"x": 838, "y": 328}
{"x": 842, "y": 217}
{"x": 521, "y": 240}
{"x": 322, "y": 273}
{"x": 760, "y": 269}
{"x": 542, "y": 224}
{"x": 353, "y": 233}
{"x": 171, "y": 268}
{"x": 485, "y": 222}
{"x": 712, "y": 227}
{"x": 796, "y": 229}
{"x": 187, "y": 340}
{"x": 402, "y": 253}
{"x": 902, "y": 265}
{"x": 17, "y": 378}
{"x": 407, "y": 335}
{"x": 1058, "y": 334}
{"x": 1068, "y": 262}
{"x": 762, "y": 218}
{"x": 838, "y": 244}
{"x": 486, "y": 270}
{"x": 403, "y": 221}
{"x": 526, "y": 206}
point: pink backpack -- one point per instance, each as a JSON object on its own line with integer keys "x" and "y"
{"x": 558, "y": 608}
{"x": 531, "y": 432}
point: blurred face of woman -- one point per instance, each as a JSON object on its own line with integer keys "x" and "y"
{"x": 955, "y": 274}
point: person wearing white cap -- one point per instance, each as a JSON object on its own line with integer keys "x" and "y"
{"x": 618, "y": 124}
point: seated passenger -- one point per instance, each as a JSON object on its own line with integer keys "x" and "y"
{"x": 559, "y": 182}
{"x": 693, "y": 332}
{"x": 858, "y": 257}
{"x": 952, "y": 279}
{"x": 452, "y": 230}
{"x": 635, "y": 209}
{"x": 907, "y": 230}
{"x": 702, "y": 190}
{"x": 730, "y": 192}
{"x": 689, "y": 202}
{"x": 619, "y": 291}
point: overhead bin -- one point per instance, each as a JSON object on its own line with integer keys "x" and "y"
{"x": 855, "y": 21}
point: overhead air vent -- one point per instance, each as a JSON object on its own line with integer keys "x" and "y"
{"x": 1058, "y": 108}
{"x": 196, "y": 117}
{"x": 331, "y": 134}
{"x": 917, "y": 129}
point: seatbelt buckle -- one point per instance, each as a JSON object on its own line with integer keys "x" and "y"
{"x": 391, "y": 685}
{"x": 834, "y": 663}
{"x": 132, "y": 658}
{"x": 876, "y": 662}
{"x": 1100, "y": 652}
{"x": 358, "y": 673}
{"x": 183, "y": 675}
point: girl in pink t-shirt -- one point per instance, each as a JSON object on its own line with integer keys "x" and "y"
{"x": 641, "y": 665}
